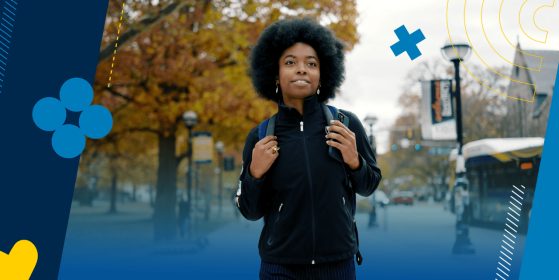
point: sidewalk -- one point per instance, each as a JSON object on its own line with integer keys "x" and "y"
{"x": 416, "y": 244}
{"x": 120, "y": 246}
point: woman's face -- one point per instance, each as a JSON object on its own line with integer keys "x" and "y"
{"x": 299, "y": 72}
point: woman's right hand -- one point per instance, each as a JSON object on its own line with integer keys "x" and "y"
{"x": 265, "y": 152}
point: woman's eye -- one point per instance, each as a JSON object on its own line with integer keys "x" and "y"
{"x": 289, "y": 62}
{"x": 312, "y": 64}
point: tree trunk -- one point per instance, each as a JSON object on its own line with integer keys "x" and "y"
{"x": 112, "y": 209}
{"x": 165, "y": 220}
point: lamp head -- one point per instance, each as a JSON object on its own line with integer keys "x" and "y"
{"x": 219, "y": 146}
{"x": 370, "y": 120}
{"x": 190, "y": 118}
{"x": 456, "y": 51}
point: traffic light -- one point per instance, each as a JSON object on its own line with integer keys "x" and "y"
{"x": 394, "y": 147}
{"x": 417, "y": 147}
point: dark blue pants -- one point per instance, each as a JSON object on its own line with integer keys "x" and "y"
{"x": 342, "y": 270}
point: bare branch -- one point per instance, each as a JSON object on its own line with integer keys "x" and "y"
{"x": 116, "y": 93}
{"x": 147, "y": 23}
{"x": 142, "y": 26}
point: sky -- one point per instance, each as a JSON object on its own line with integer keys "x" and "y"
{"x": 374, "y": 76}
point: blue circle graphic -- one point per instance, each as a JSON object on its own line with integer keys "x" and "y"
{"x": 49, "y": 114}
{"x": 68, "y": 141}
{"x": 76, "y": 94}
{"x": 96, "y": 121}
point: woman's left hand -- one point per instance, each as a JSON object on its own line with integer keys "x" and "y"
{"x": 345, "y": 142}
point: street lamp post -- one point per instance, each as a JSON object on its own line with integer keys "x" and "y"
{"x": 220, "y": 147}
{"x": 371, "y": 120}
{"x": 456, "y": 53}
{"x": 190, "y": 120}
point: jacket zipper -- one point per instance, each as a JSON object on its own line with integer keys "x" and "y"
{"x": 312, "y": 197}
{"x": 279, "y": 212}
{"x": 345, "y": 208}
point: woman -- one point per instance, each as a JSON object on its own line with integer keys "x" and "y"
{"x": 304, "y": 193}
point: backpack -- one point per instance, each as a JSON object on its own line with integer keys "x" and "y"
{"x": 266, "y": 128}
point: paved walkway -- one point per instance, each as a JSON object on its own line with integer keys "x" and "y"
{"x": 414, "y": 244}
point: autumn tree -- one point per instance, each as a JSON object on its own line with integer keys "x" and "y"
{"x": 116, "y": 160}
{"x": 193, "y": 55}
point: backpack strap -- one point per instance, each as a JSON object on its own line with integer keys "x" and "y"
{"x": 266, "y": 128}
{"x": 330, "y": 112}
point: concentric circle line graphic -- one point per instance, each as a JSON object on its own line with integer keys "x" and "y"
{"x": 534, "y": 21}
{"x": 477, "y": 79}
{"x": 477, "y": 53}
{"x": 486, "y": 64}
{"x": 491, "y": 44}
{"x": 540, "y": 58}
{"x": 525, "y": 53}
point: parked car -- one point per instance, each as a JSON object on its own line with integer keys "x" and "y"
{"x": 402, "y": 197}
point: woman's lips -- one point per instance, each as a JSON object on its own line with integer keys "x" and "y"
{"x": 301, "y": 82}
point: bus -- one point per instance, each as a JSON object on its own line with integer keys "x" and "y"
{"x": 493, "y": 167}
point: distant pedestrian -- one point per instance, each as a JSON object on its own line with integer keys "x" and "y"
{"x": 184, "y": 220}
{"x": 373, "y": 213}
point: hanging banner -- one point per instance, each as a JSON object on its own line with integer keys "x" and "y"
{"x": 438, "y": 120}
{"x": 202, "y": 147}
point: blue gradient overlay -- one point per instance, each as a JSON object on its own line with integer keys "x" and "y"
{"x": 415, "y": 243}
{"x": 541, "y": 253}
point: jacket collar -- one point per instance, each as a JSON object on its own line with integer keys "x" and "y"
{"x": 311, "y": 105}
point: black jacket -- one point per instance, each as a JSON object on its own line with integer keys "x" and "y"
{"x": 305, "y": 196}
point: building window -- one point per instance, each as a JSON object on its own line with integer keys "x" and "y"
{"x": 516, "y": 71}
{"x": 540, "y": 99}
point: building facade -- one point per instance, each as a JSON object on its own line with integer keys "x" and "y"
{"x": 531, "y": 91}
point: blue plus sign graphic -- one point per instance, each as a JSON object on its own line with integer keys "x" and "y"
{"x": 408, "y": 42}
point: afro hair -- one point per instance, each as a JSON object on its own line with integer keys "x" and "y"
{"x": 276, "y": 38}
